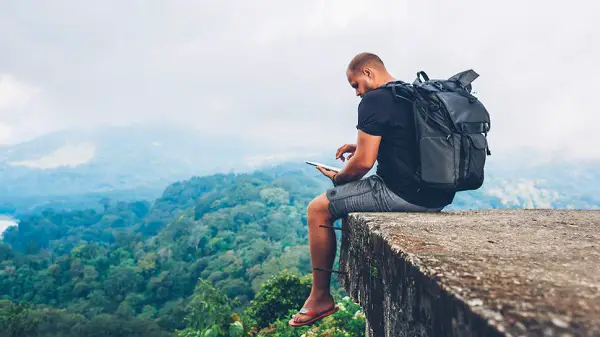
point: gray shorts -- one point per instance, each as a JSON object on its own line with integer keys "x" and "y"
{"x": 368, "y": 195}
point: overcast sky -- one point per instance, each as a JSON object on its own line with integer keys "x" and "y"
{"x": 275, "y": 70}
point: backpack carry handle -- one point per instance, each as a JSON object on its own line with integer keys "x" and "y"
{"x": 422, "y": 74}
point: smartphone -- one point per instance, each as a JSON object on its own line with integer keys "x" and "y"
{"x": 327, "y": 167}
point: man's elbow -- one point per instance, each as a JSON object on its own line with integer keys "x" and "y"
{"x": 364, "y": 166}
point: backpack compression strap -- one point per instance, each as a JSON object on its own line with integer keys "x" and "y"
{"x": 403, "y": 90}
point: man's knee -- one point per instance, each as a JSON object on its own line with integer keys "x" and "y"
{"x": 319, "y": 204}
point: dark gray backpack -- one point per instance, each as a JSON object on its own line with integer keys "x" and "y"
{"x": 451, "y": 128}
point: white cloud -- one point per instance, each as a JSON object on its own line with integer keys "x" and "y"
{"x": 5, "y": 133}
{"x": 6, "y": 222}
{"x": 14, "y": 94}
{"x": 523, "y": 193}
{"x": 69, "y": 155}
{"x": 274, "y": 70}
{"x": 324, "y": 19}
{"x": 23, "y": 111}
{"x": 274, "y": 158}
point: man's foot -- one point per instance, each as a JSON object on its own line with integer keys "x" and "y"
{"x": 314, "y": 309}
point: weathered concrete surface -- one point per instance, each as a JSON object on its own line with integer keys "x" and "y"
{"x": 475, "y": 273}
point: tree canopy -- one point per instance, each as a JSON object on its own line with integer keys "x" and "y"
{"x": 218, "y": 255}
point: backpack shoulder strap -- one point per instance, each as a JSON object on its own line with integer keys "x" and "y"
{"x": 401, "y": 90}
{"x": 405, "y": 91}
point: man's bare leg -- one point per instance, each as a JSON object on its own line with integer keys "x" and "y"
{"x": 322, "y": 243}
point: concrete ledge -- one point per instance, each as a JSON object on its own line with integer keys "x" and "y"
{"x": 475, "y": 273}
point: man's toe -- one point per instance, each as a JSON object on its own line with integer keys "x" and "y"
{"x": 297, "y": 318}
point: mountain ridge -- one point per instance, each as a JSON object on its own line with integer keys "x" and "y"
{"x": 137, "y": 162}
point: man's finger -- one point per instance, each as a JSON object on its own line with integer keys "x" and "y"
{"x": 324, "y": 171}
{"x": 340, "y": 152}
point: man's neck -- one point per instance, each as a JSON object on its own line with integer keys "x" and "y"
{"x": 386, "y": 79}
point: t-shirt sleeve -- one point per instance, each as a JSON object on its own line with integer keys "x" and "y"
{"x": 373, "y": 114}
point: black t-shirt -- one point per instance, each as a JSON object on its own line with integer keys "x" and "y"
{"x": 379, "y": 114}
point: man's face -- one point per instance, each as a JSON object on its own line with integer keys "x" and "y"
{"x": 361, "y": 81}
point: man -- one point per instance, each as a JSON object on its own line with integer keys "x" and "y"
{"x": 386, "y": 133}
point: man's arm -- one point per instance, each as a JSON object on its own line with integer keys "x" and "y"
{"x": 367, "y": 147}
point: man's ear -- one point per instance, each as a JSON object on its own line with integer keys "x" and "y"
{"x": 368, "y": 72}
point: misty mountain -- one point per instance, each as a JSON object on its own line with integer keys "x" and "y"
{"x": 76, "y": 168}
{"x": 529, "y": 179}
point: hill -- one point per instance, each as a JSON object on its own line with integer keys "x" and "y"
{"x": 138, "y": 263}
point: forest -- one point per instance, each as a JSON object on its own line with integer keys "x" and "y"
{"x": 219, "y": 255}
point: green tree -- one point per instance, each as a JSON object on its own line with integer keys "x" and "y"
{"x": 17, "y": 320}
{"x": 277, "y": 297}
{"x": 210, "y": 314}
{"x": 132, "y": 269}
{"x": 349, "y": 320}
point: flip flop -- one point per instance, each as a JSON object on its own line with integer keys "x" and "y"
{"x": 318, "y": 316}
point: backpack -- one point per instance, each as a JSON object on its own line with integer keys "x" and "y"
{"x": 451, "y": 128}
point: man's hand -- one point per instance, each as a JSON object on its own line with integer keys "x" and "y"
{"x": 327, "y": 173}
{"x": 364, "y": 152}
{"x": 346, "y": 148}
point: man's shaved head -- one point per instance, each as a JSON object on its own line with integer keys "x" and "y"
{"x": 363, "y": 60}
{"x": 367, "y": 72}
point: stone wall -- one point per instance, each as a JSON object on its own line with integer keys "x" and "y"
{"x": 475, "y": 273}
